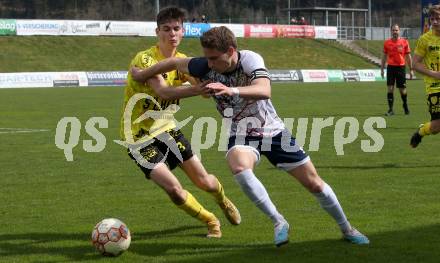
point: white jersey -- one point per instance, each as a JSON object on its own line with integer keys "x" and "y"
{"x": 249, "y": 117}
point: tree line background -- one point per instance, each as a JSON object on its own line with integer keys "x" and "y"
{"x": 406, "y": 13}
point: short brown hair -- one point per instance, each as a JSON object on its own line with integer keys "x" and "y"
{"x": 219, "y": 38}
{"x": 170, "y": 13}
{"x": 435, "y": 9}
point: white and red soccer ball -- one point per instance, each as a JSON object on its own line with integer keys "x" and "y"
{"x": 111, "y": 237}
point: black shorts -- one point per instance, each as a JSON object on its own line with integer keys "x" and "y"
{"x": 396, "y": 75}
{"x": 434, "y": 105}
{"x": 159, "y": 152}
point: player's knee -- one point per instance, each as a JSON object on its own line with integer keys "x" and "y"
{"x": 213, "y": 183}
{"x": 315, "y": 184}
{"x": 236, "y": 169}
{"x": 316, "y": 187}
{"x": 208, "y": 183}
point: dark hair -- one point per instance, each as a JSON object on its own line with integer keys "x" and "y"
{"x": 435, "y": 9}
{"x": 170, "y": 13}
{"x": 218, "y": 38}
{"x": 394, "y": 26}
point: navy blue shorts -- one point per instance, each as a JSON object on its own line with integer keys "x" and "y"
{"x": 281, "y": 150}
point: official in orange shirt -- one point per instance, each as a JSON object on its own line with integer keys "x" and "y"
{"x": 396, "y": 53}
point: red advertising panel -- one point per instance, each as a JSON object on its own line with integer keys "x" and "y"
{"x": 260, "y": 31}
{"x": 279, "y": 31}
{"x": 295, "y": 31}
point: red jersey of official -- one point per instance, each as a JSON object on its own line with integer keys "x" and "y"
{"x": 396, "y": 51}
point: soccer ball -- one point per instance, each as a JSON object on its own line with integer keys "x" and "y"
{"x": 111, "y": 237}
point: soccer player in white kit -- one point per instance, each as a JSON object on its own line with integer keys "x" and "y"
{"x": 241, "y": 89}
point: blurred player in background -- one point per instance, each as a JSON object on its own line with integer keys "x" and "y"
{"x": 242, "y": 91}
{"x": 426, "y": 61}
{"x": 162, "y": 88}
{"x": 396, "y": 51}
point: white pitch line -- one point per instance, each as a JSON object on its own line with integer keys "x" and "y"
{"x": 20, "y": 130}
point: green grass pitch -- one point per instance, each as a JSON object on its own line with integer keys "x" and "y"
{"x": 49, "y": 206}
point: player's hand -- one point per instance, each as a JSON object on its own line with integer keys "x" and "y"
{"x": 138, "y": 74}
{"x": 202, "y": 89}
{"x": 411, "y": 74}
{"x": 220, "y": 89}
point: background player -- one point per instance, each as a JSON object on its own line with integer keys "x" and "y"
{"x": 395, "y": 51}
{"x": 426, "y": 61}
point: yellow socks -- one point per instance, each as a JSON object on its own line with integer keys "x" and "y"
{"x": 425, "y": 129}
{"x": 192, "y": 207}
{"x": 219, "y": 195}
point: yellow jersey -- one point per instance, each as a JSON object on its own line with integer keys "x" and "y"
{"x": 160, "y": 112}
{"x": 428, "y": 47}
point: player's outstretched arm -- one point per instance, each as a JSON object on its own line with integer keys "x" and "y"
{"x": 160, "y": 87}
{"x": 420, "y": 67}
{"x": 259, "y": 89}
{"x": 166, "y": 65}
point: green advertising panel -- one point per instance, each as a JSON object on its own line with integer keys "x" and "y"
{"x": 335, "y": 75}
{"x": 7, "y": 27}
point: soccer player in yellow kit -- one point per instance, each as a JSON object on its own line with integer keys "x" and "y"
{"x": 156, "y": 140}
{"x": 427, "y": 61}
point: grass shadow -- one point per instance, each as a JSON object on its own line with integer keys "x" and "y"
{"x": 408, "y": 245}
{"x": 46, "y": 243}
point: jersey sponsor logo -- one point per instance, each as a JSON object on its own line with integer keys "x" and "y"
{"x": 435, "y": 85}
{"x": 156, "y": 106}
{"x": 149, "y": 154}
{"x": 434, "y": 109}
{"x": 434, "y": 48}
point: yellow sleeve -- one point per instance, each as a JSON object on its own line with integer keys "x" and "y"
{"x": 420, "y": 47}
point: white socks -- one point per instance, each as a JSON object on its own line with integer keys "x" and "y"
{"x": 255, "y": 190}
{"x": 329, "y": 202}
